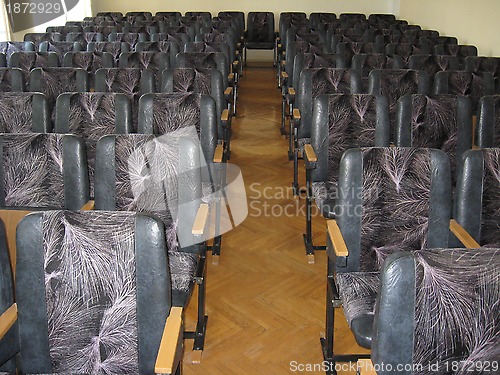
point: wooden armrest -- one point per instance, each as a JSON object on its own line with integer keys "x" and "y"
{"x": 365, "y": 367}
{"x": 291, "y": 91}
{"x": 169, "y": 342}
{"x": 283, "y": 63}
{"x": 230, "y": 76}
{"x": 309, "y": 153}
{"x": 218, "y": 154}
{"x": 464, "y": 236}
{"x": 228, "y": 91}
{"x": 284, "y": 75}
{"x": 7, "y": 319}
{"x": 225, "y": 115}
{"x": 279, "y": 45}
{"x": 236, "y": 62}
{"x": 89, "y": 206}
{"x": 200, "y": 221}
{"x": 337, "y": 239}
{"x": 296, "y": 114}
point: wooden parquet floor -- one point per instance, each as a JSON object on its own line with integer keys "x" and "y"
{"x": 266, "y": 304}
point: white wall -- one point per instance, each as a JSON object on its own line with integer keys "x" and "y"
{"x": 472, "y": 22}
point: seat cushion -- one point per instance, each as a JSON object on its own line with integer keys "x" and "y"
{"x": 358, "y": 292}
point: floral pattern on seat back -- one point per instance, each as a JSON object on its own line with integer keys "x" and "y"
{"x": 115, "y": 48}
{"x": 434, "y": 124}
{"x": 192, "y": 80}
{"x": 16, "y": 112}
{"x": 352, "y": 120}
{"x": 146, "y": 181}
{"x": 55, "y": 81}
{"x": 468, "y": 84}
{"x": 434, "y": 63}
{"x": 6, "y": 78}
{"x": 456, "y": 327}
{"x": 395, "y": 203}
{"x": 201, "y": 60}
{"x": 130, "y": 38}
{"x": 91, "y": 292}
{"x": 490, "y": 219}
{"x": 8, "y": 48}
{"x": 260, "y": 28}
{"x": 91, "y": 116}
{"x": 330, "y": 81}
{"x": 174, "y": 111}
{"x": 33, "y": 170}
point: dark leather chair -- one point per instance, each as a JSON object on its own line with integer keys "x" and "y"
{"x": 55, "y": 81}
{"x": 394, "y": 83}
{"x": 122, "y": 162}
{"x": 316, "y": 18}
{"x": 90, "y": 116}
{"x": 376, "y": 215}
{"x": 438, "y": 121}
{"x": 405, "y": 50}
{"x": 239, "y": 17}
{"x": 130, "y": 38}
{"x": 483, "y": 64}
{"x": 132, "y": 82}
{"x": 180, "y": 38}
{"x": 37, "y": 38}
{"x": 290, "y": 82}
{"x": 24, "y": 112}
{"x": 89, "y": 61}
{"x": 339, "y": 122}
{"x": 432, "y": 64}
{"x": 488, "y": 122}
{"x": 207, "y": 82}
{"x": 364, "y": 63}
{"x": 156, "y": 62}
{"x": 139, "y": 14}
{"x": 84, "y": 38}
{"x": 30, "y": 60}
{"x": 63, "y": 30}
{"x": 471, "y": 84}
{"x": 168, "y": 16}
{"x": 460, "y": 50}
{"x": 115, "y": 48}
{"x": 346, "y": 17}
{"x": 312, "y": 83}
{"x": 477, "y": 197}
{"x": 8, "y": 48}
{"x": 117, "y": 268}
{"x": 260, "y": 32}
{"x": 209, "y": 60}
{"x": 60, "y": 47}
{"x": 350, "y": 49}
{"x": 415, "y": 290}
{"x": 11, "y": 79}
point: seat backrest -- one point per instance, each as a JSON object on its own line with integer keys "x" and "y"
{"x": 432, "y": 64}
{"x": 483, "y": 64}
{"x": 377, "y": 211}
{"x": 85, "y": 38}
{"x": 43, "y": 171}
{"x": 8, "y": 48}
{"x": 478, "y": 197}
{"x": 156, "y": 62}
{"x": 90, "y": 116}
{"x": 315, "y": 60}
{"x": 55, "y": 81}
{"x": 37, "y": 38}
{"x": 316, "y": 18}
{"x": 438, "y": 121}
{"x": 115, "y": 48}
{"x": 260, "y": 27}
{"x": 145, "y": 173}
{"x": 317, "y": 81}
{"x": 164, "y": 113}
{"x": 459, "y": 82}
{"x": 30, "y": 60}
{"x": 24, "y": 112}
{"x": 405, "y": 50}
{"x": 63, "y": 30}
{"x": 101, "y": 272}
{"x": 488, "y": 122}
{"x": 295, "y": 48}
{"x": 204, "y": 60}
{"x": 11, "y": 79}
{"x": 89, "y": 61}
{"x": 60, "y": 47}
{"x": 364, "y": 63}
{"x": 200, "y": 81}
{"x": 416, "y": 290}
{"x": 459, "y": 50}
{"x": 344, "y": 121}
{"x": 130, "y": 38}
{"x": 350, "y": 49}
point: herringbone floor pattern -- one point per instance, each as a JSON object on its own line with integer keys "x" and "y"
{"x": 265, "y": 303}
